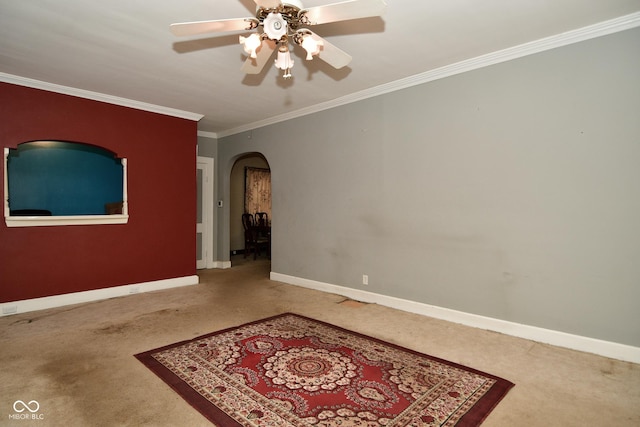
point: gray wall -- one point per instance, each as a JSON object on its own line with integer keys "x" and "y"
{"x": 510, "y": 192}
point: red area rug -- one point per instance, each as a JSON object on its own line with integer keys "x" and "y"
{"x": 290, "y": 370}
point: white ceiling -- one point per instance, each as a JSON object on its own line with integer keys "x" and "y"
{"x": 123, "y": 48}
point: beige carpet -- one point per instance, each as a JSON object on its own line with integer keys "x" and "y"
{"x": 77, "y": 361}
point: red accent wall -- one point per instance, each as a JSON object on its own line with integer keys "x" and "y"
{"x": 159, "y": 240}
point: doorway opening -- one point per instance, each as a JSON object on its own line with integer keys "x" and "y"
{"x": 250, "y": 193}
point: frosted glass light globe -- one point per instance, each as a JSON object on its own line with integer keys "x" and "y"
{"x": 251, "y": 43}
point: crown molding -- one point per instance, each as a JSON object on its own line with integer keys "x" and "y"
{"x": 96, "y": 96}
{"x": 604, "y": 28}
{"x": 207, "y": 134}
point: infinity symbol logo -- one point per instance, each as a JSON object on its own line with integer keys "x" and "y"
{"x": 20, "y": 404}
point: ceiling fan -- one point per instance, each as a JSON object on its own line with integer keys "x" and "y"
{"x": 282, "y": 22}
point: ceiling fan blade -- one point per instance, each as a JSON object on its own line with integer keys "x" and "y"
{"x": 263, "y": 53}
{"x": 217, "y": 26}
{"x": 353, "y": 9}
{"x": 267, "y": 4}
{"x": 331, "y": 54}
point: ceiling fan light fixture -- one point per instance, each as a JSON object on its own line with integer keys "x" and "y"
{"x": 251, "y": 44}
{"x": 311, "y": 44}
{"x": 284, "y": 61}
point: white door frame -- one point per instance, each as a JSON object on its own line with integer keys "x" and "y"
{"x": 206, "y": 227}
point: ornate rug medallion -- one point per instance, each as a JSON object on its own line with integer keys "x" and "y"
{"x": 290, "y": 370}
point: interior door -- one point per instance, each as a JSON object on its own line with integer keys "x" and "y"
{"x": 204, "y": 213}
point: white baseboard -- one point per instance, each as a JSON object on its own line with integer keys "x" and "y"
{"x": 23, "y": 306}
{"x": 561, "y": 339}
{"x": 218, "y": 264}
{"x": 222, "y": 264}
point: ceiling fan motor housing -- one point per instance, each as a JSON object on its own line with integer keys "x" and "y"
{"x": 296, "y": 4}
{"x": 293, "y": 3}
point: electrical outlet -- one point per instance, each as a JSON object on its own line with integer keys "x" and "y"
{"x": 365, "y": 279}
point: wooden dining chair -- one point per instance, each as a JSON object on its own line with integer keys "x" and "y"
{"x": 264, "y": 230}
{"x": 262, "y": 219}
{"x": 252, "y": 240}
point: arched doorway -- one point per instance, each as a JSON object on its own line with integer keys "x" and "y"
{"x": 238, "y": 202}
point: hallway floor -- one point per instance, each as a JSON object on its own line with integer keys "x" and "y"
{"x": 77, "y": 361}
